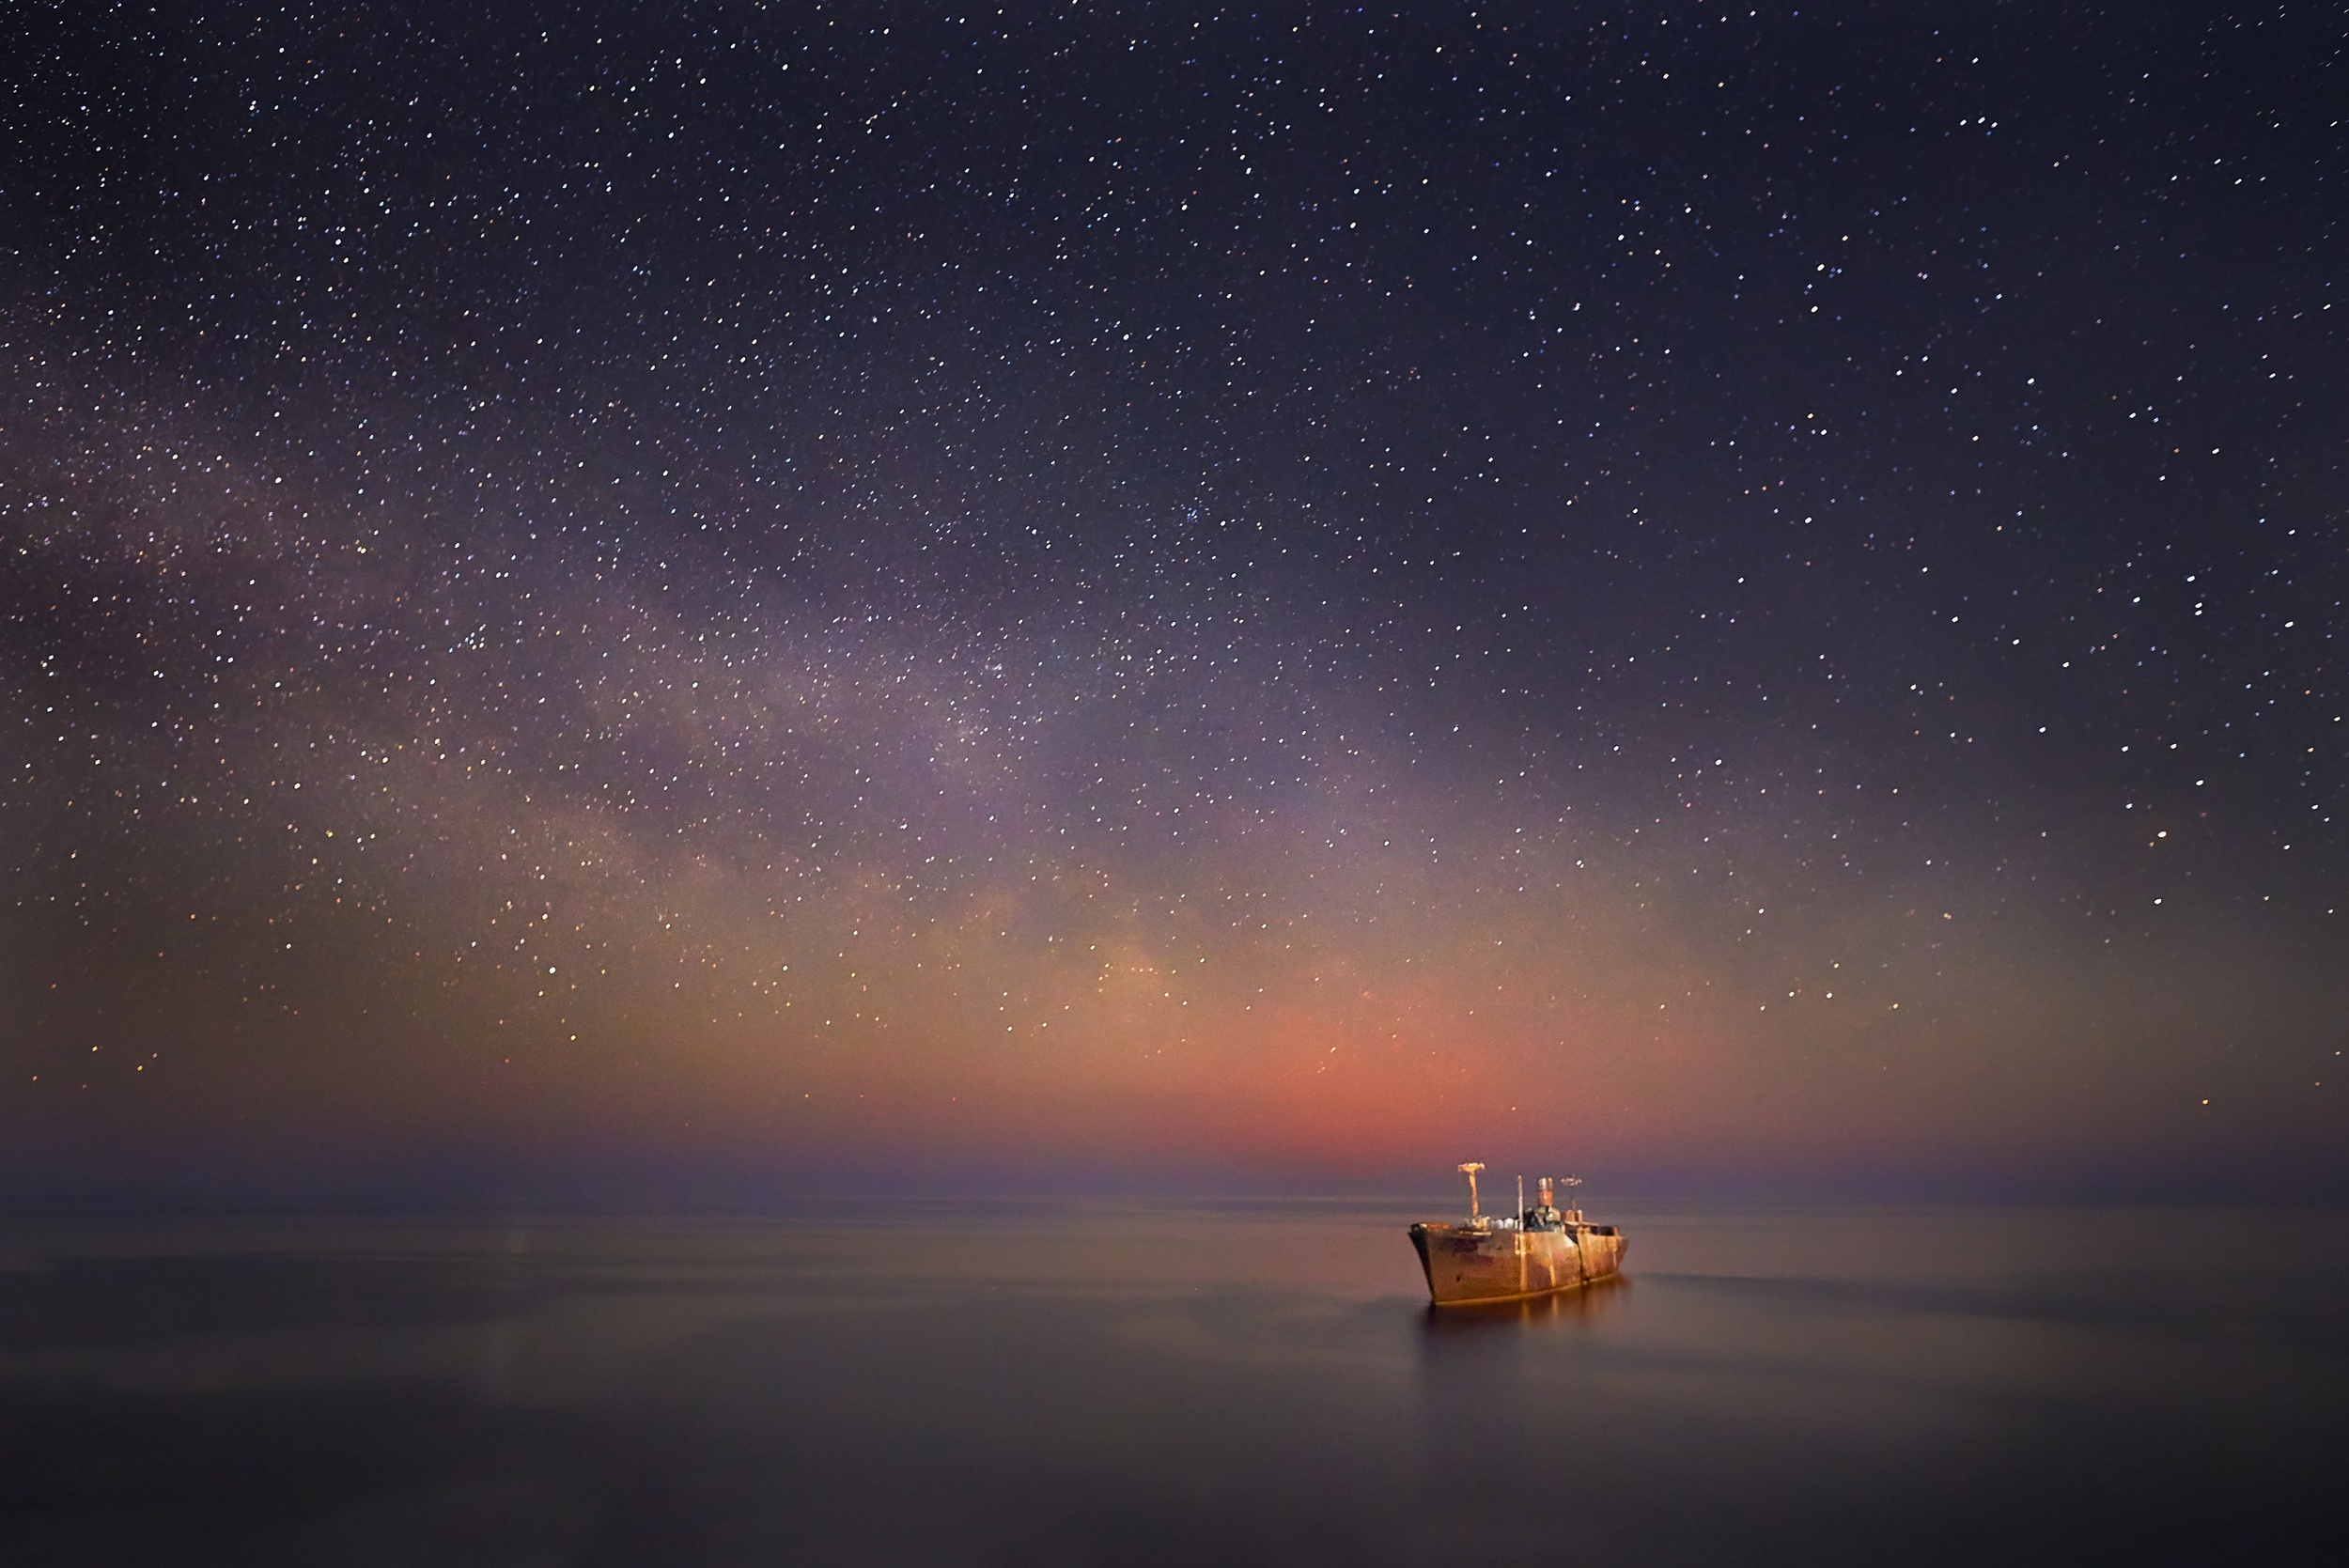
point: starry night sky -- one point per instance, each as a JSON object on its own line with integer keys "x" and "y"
{"x": 711, "y": 595}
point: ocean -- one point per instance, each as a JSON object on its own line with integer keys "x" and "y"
{"x": 1172, "y": 1383}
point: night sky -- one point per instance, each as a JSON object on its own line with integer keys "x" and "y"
{"x": 716, "y": 598}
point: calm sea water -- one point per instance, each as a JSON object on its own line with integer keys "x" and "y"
{"x": 1173, "y": 1384}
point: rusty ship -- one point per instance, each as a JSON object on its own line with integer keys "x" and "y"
{"x": 1493, "y": 1258}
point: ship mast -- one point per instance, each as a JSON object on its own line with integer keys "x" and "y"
{"x": 1469, "y": 1171}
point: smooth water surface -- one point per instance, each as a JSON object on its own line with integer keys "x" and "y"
{"x": 1145, "y": 1384}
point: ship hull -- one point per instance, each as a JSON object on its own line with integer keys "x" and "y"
{"x": 1465, "y": 1265}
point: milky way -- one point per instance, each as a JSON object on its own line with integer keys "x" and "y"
{"x": 1197, "y": 596}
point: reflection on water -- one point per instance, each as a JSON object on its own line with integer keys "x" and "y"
{"x": 1171, "y": 1384}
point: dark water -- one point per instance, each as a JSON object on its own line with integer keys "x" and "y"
{"x": 1162, "y": 1383}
